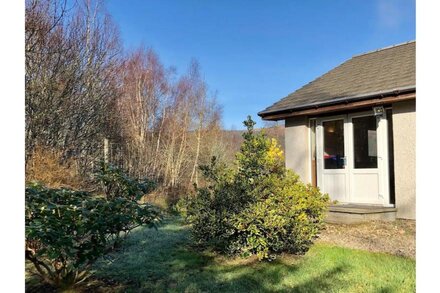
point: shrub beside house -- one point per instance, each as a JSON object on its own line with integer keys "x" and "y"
{"x": 257, "y": 207}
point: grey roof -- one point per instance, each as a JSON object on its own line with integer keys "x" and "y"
{"x": 377, "y": 72}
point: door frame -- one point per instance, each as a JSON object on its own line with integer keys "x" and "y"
{"x": 383, "y": 158}
{"x": 382, "y": 154}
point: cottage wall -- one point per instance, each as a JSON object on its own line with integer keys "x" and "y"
{"x": 297, "y": 147}
{"x": 404, "y": 136}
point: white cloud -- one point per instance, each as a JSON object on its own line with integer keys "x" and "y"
{"x": 391, "y": 13}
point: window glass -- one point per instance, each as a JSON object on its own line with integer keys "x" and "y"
{"x": 365, "y": 142}
{"x": 334, "y": 152}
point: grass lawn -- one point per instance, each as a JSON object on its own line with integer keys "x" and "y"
{"x": 163, "y": 261}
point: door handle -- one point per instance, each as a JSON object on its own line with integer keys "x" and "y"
{"x": 344, "y": 161}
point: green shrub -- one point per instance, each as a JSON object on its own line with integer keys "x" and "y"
{"x": 116, "y": 183}
{"x": 68, "y": 230}
{"x": 257, "y": 207}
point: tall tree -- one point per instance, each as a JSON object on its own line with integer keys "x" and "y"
{"x": 71, "y": 58}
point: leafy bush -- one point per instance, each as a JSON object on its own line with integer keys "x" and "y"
{"x": 258, "y": 207}
{"x": 68, "y": 230}
{"x": 116, "y": 183}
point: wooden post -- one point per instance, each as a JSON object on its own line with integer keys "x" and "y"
{"x": 106, "y": 150}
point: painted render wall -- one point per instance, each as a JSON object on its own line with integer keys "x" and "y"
{"x": 297, "y": 147}
{"x": 404, "y": 136}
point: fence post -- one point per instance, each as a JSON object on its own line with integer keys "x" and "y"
{"x": 106, "y": 150}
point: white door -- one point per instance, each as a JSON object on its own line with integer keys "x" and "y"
{"x": 352, "y": 158}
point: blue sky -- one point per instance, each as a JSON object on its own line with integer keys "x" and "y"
{"x": 253, "y": 53}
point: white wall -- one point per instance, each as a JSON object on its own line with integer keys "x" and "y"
{"x": 297, "y": 147}
{"x": 404, "y": 135}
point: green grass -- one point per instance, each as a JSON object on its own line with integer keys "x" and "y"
{"x": 163, "y": 261}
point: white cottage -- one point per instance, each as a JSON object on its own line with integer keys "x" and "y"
{"x": 352, "y": 132}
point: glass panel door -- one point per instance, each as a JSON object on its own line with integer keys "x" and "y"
{"x": 334, "y": 151}
{"x": 352, "y": 157}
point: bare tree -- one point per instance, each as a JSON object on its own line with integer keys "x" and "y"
{"x": 81, "y": 88}
{"x": 164, "y": 121}
{"x": 143, "y": 108}
{"x": 71, "y": 57}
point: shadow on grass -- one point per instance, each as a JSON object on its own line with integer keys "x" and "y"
{"x": 324, "y": 282}
{"x": 163, "y": 261}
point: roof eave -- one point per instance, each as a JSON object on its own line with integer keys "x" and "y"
{"x": 336, "y": 101}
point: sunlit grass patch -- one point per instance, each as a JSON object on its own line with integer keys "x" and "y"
{"x": 164, "y": 260}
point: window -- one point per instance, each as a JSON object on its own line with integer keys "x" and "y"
{"x": 365, "y": 142}
{"x": 334, "y": 153}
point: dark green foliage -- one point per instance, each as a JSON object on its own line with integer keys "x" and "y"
{"x": 258, "y": 207}
{"x": 116, "y": 183}
{"x": 67, "y": 230}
